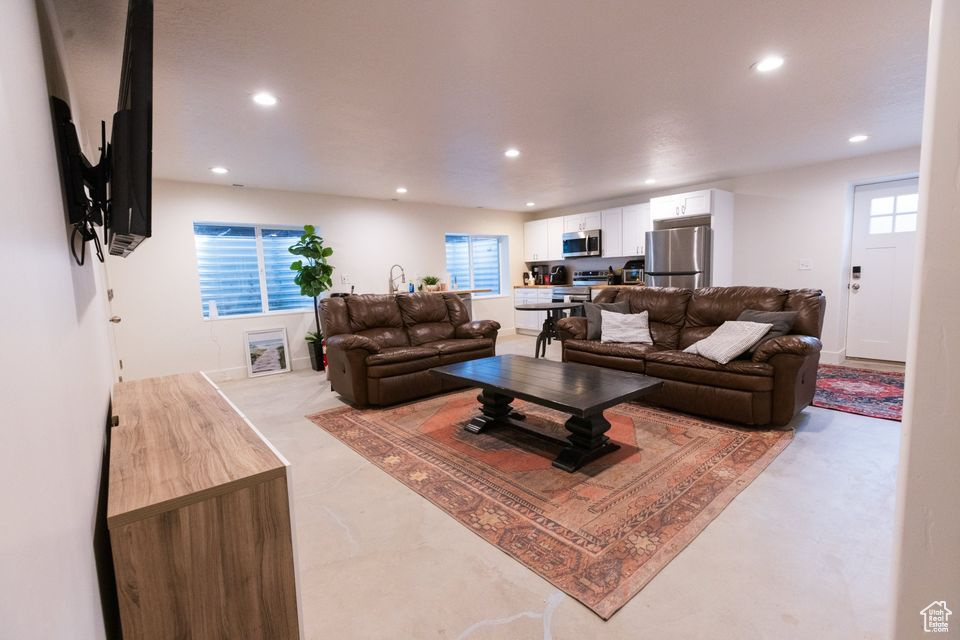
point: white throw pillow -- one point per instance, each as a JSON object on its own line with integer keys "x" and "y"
{"x": 730, "y": 339}
{"x": 625, "y": 327}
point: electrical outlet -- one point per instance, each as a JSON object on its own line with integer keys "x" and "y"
{"x": 804, "y": 265}
{"x": 345, "y": 279}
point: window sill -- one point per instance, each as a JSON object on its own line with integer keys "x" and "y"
{"x": 268, "y": 314}
{"x": 476, "y": 298}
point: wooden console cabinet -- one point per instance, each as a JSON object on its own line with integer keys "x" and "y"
{"x": 199, "y": 517}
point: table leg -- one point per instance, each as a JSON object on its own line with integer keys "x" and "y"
{"x": 494, "y": 407}
{"x": 587, "y": 442}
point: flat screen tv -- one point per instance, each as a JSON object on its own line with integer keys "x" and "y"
{"x": 131, "y": 140}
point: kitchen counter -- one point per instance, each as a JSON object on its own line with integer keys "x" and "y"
{"x": 463, "y": 291}
{"x": 595, "y": 286}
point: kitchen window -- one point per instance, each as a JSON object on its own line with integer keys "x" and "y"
{"x": 477, "y": 262}
{"x": 245, "y": 269}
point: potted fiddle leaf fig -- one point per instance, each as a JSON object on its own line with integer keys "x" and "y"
{"x": 314, "y": 276}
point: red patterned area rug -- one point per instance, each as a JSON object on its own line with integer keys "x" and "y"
{"x": 599, "y": 534}
{"x": 877, "y": 394}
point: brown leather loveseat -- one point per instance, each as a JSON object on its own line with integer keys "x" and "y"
{"x": 768, "y": 388}
{"x": 380, "y": 348}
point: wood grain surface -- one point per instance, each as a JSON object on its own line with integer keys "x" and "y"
{"x": 221, "y": 568}
{"x": 579, "y": 389}
{"x": 179, "y": 441}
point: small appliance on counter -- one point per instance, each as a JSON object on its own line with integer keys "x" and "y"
{"x": 538, "y": 272}
{"x": 614, "y": 277}
{"x": 633, "y": 272}
{"x": 558, "y": 275}
{"x": 527, "y": 278}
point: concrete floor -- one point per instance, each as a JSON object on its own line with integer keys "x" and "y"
{"x": 803, "y": 552}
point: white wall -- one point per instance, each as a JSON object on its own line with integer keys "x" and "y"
{"x": 157, "y": 290}
{"x": 56, "y": 375}
{"x": 796, "y": 214}
{"x": 927, "y": 548}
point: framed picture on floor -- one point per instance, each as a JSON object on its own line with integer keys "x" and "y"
{"x": 267, "y": 351}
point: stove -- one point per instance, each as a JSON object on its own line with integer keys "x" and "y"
{"x": 590, "y": 278}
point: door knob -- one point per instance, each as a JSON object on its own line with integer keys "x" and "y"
{"x": 115, "y": 319}
{"x": 855, "y": 286}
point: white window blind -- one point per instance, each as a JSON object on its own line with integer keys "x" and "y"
{"x": 245, "y": 269}
{"x": 283, "y": 294}
{"x": 476, "y": 262}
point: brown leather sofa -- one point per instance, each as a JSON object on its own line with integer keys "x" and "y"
{"x": 380, "y": 348}
{"x": 768, "y": 388}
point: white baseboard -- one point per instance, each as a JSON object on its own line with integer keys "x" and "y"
{"x": 833, "y": 357}
{"x": 239, "y": 373}
{"x": 509, "y": 331}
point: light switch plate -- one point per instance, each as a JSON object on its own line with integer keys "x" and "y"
{"x": 804, "y": 265}
{"x": 345, "y": 279}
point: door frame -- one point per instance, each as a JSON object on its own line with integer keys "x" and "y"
{"x": 847, "y": 261}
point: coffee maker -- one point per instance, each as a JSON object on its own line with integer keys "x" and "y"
{"x": 558, "y": 275}
{"x": 538, "y": 273}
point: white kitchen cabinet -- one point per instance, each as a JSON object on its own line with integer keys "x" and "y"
{"x": 532, "y": 321}
{"x": 611, "y": 233}
{"x": 636, "y": 223}
{"x": 535, "y": 241}
{"x": 582, "y": 222}
{"x": 694, "y": 203}
{"x": 555, "y": 238}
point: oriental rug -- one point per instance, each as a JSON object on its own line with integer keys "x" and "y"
{"x": 599, "y": 534}
{"x": 877, "y": 394}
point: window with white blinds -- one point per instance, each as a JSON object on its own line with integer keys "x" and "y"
{"x": 245, "y": 269}
{"x": 476, "y": 262}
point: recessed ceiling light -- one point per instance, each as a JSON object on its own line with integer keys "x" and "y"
{"x": 769, "y": 63}
{"x": 531, "y": 204}
{"x": 858, "y": 138}
{"x": 649, "y": 181}
{"x": 219, "y": 170}
{"x": 512, "y": 153}
{"x": 401, "y": 189}
{"x": 265, "y": 99}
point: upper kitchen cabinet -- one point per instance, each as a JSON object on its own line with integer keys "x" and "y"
{"x": 543, "y": 240}
{"x": 582, "y": 222}
{"x": 611, "y": 233}
{"x": 536, "y": 241}
{"x": 694, "y": 203}
{"x": 636, "y": 223}
{"x": 554, "y": 238}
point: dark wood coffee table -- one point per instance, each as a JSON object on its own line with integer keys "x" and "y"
{"x": 581, "y": 390}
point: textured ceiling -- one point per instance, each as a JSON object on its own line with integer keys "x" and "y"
{"x": 597, "y": 94}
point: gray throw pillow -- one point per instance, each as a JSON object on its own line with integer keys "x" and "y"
{"x": 782, "y": 322}
{"x": 592, "y": 309}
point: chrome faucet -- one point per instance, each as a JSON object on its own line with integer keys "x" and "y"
{"x": 393, "y": 279}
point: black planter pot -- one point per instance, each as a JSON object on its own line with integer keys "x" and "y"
{"x": 316, "y": 354}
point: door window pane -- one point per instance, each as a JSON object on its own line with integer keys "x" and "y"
{"x": 881, "y": 206}
{"x": 882, "y": 224}
{"x": 908, "y": 203}
{"x": 906, "y": 222}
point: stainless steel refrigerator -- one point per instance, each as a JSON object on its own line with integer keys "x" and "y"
{"x": 679, "y": 257}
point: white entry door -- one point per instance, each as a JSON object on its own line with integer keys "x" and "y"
{"x": 881, "y": 275}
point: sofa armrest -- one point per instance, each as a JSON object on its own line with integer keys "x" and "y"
{"x": 572, "y": 328}
{"x": 349, "y": 341}
{"x": 793, "y": 345}
{"x": 478, "y": 329}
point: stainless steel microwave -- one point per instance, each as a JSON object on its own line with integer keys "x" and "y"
{"x": 581, "y": 243}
